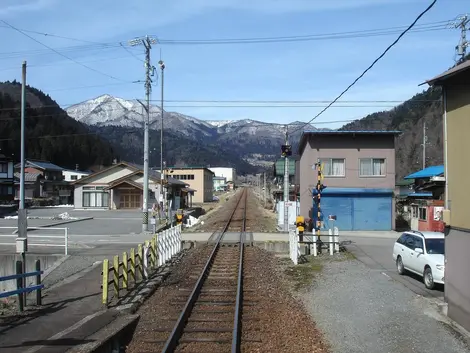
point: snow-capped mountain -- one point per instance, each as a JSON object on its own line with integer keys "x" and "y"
{"x": 254, "y": 141}
{"x": 107, "y": 110}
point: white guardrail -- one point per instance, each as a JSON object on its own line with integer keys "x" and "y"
{"x": 63, "y": 243}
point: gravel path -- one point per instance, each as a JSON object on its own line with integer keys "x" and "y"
{"x": 361, "y": 310}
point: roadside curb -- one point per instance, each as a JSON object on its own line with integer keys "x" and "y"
{"x": 108, "y": 334}
{"x": 57, "y": 224}
{"x": 443, "y": 318}
{"x": 54, "y": 266}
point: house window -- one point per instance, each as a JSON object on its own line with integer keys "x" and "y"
{"x": 371, "y": 167}
{"x": 95, "y": 199}
{"x": 6, "y": 190}
{"x": 333, "y": 167}
{"x": 73, "y": 177}
{"x": 422, "y": 213}
{"x": 3, "y": 167}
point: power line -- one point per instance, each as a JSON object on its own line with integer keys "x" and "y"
{"x": 63, "y": 55}
{"x": 440, "y": 25}
{"x": 291, "y": 104}
{"x": 372, "y": 65}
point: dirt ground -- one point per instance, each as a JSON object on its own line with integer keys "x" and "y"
{"x": 258, "y": 219}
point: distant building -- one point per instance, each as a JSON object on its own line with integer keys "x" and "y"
{"x": 120, "y": 186}
{"x": 198, "y": 178}
{"x": 220, "y": 183}
{"x": 48, "y": 177}
{"x": 230, "y": 174}
{"x": 73, "y": 175}
{"x": 6, "y": 179}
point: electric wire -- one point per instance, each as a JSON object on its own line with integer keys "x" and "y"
{"x": 61, "y": 54}
{"x": 370, "y": 66}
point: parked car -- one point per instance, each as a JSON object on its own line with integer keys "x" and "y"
{"x": 421, "y": 253}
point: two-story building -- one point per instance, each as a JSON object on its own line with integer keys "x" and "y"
{"x": 200, "y": 179}
{"x": 45, "y": 180}
{"x": 220, "y": 183}
{"x": 75, "y": 174}
{"x": 230, "y": 174}
{"x": 7, "y": 182}
{"x": 359, "y": 173}
{"x": 456, "y": 114}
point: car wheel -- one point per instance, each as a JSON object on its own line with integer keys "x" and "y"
{"x": 400, "y": 266}
{"x": 428, "y": 278}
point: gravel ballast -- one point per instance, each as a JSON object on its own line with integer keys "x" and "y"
{"x": 276, "y": 319}
{"x": 361, "y": 310}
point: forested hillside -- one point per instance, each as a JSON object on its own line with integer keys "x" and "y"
{"x": 409, "y": 118}
{"x": 178, "y": 150}
{"x": 50, "y": 133}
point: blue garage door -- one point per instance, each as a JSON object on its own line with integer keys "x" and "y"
{"x": 372, "y": 212}
{"x": 338, "y": 205}
{"x": 358, "y": 211}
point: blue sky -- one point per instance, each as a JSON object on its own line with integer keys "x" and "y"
{"x": 283, "y": 71}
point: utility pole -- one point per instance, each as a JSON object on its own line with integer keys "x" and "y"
{"x": 149, "y": 72}
{"x": 286, "y": 151}
{"x": 162, "y": 176}
{"x": 265, "y": 191}
{"x": 461, "y": 48}
{"x": 425, "y": 140}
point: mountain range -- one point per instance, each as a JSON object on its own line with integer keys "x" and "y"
{"x": 247, "y": 144}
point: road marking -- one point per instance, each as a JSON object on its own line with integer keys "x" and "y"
{"x": 386, "y": 275}
{"x": 67, "y": 330}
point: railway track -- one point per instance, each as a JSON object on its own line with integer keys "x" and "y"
{"x": 211, "y": 318}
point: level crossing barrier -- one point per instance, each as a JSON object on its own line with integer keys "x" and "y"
{"x": 132, "y": 268}
{"x": 21, "y": 288}
{"x": 40, "y": 240}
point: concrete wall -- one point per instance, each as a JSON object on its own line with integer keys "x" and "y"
{"x": 208, "y": 185}
{"x": 351, "y": 148}
{"x": 78, "y": 196}
{"x": 8, "y": 267}
{"x": 457, "y": 286}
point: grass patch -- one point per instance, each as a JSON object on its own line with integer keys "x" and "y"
{"x": 303, "y": 274}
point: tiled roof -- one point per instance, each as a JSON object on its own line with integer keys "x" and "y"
{"x": 28, "y": 177}
{"x": 41, "y": 165}
{"x": 427, "y": 172}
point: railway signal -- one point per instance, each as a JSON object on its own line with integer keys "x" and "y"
{"x": 316, "y": 195}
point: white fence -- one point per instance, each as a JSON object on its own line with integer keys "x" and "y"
{"x": 39, "y": 240}
{"x": 168, "y": 244}
{"x": 294, "y": 248}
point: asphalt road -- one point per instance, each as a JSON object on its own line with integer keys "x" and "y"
{"x": 120, "y": 228}
{"x": 376, "y": 253}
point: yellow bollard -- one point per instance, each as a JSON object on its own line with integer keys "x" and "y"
{"x": 133, "y": 265}
{"x": 116, "y": 275}
{"x": 153, "y": 253}
{"x": 125, "y": 283}
{"x": 140, "y": 267}
{"x": 105, "y": 281}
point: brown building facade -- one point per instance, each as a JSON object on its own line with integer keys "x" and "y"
{"x": 199, "y": 179}
{"x": 359, "y": 172}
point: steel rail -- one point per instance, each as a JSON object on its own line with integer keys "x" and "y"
{"x": 236, "y": 335}
{"x": 178, "y": 329}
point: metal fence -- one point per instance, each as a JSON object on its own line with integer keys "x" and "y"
{"x": 39, "y": 240}
{"x": 132, "y": 268}
{"x": 21, "y": 288}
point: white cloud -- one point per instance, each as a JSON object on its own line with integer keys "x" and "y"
{"x": 28, "y": 5}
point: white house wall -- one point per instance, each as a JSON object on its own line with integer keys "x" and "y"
{"x": 77, "y": 197}
{"x": 228, "y": 173}
{"x": 110, "y": 175}
{"x": 68, "y": 175}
